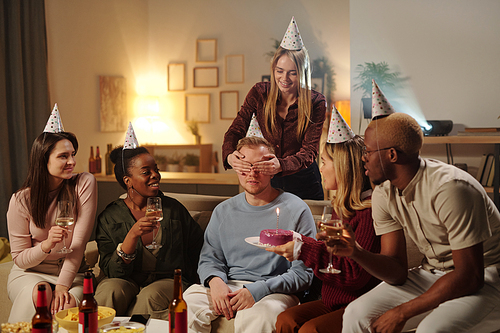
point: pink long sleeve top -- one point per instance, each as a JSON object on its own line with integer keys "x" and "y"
{"x": 340, "y": 289}
{"x": 26, "y": 238}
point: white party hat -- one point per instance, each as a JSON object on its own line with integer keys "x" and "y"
{"x": 338, "y": 131}
{"x": 380, "y": 105}
{"x": 254, "y": 128}
{"x": 292, "y": 39}
{"x": 130, "y": 139}
{"x": 54, "y": 124}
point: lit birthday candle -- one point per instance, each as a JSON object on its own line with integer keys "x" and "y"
{"x": 277, "y": 218}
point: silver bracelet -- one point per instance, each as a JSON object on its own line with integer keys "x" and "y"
{"x": 124, "y": 255}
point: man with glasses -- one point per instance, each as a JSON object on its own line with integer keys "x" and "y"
{"x": 454, "y": 223}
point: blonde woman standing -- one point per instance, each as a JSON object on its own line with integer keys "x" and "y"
{"x": 289, "y": 115}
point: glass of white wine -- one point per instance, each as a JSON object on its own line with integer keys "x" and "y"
{"x": 154, "y": 209}
{"x": 65, "y": 219}
{"x": 333, "y": 229}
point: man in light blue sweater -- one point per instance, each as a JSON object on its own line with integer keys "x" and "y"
{"x": 240, "y": 280}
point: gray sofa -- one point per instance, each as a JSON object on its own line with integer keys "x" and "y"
{"x": 200, "y": 207}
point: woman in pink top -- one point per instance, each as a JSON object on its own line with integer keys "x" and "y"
{"x": 34, "y": 236}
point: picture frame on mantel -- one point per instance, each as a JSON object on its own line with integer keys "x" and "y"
{"x": 229, "y": 104}
{"x": 198, "y": 108}
{"x": 113, "y": 103}
{"x": 206, "y": 77}
{"x": 176, "y": 77}
{"x": 235, "y": 65}
{"x": 206, "y": 50}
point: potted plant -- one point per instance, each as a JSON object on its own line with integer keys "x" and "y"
{"x": 387, "y": 81}
{"x": 192, "y": 162}
{"x": 161, "y": 162}
{"x": 173, "y": 162}
{"x": 193, "y": 128}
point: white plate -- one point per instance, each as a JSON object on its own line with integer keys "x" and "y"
{"x": 255, "y": 242}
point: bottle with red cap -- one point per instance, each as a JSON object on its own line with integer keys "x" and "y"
{"x": 87, "y": 312}
{"x": 177, "y": 310}
{"x": 42, "y": 320}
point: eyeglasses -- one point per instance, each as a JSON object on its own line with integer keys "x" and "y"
{"x": 367, "y": 152}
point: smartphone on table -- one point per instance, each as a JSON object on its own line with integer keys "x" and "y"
{"x": 140, "y": 318}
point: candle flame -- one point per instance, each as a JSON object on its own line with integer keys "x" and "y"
{"x": 278, "y": 211}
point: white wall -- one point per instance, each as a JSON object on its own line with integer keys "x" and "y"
{"x": 141, "y": 37}
{"x": 449, "y": 49}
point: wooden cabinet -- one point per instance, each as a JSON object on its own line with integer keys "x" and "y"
{"x": 204, "y": 151}
{"x": 479, "y": 139}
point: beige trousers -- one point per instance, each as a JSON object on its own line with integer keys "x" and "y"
{"x": 261, "y": 317}
{"x": 127, "y": 298}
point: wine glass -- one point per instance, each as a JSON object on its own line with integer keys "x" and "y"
{"x": 154, "y": 209}
{"x": 333, "y": 229}
{"x": 65, "y": 219}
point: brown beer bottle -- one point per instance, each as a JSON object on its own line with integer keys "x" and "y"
{"x": 109, "y": 164}
{"x": 98, "y": 164}
{"x": 42, "y": 320}
{"x": 177, "y": 309}
{"x": 87, "y": 312}
{"x": 91, "y": 160}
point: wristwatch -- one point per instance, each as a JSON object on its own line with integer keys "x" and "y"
{"x": 124, "y": 255}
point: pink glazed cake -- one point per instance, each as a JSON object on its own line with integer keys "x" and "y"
{"x": 273, "y": 237}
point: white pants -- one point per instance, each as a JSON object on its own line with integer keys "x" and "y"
{"x": 20, "y": 285}
{"x": 475, "y": 313}
{"x": 261, "y": 317}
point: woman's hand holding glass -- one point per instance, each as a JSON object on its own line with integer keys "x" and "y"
{"x": 154, "y": 211}
{"x": 65, "y": 219}
{"x": 330, "y": 229}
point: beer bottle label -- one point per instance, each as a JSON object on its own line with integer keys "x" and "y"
{"x": 179, "y": 324}
{"x": 87, "y": 322}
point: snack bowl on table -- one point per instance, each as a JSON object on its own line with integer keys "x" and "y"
{"x": 123, "y": 327}
{"x": 68, "y": 319}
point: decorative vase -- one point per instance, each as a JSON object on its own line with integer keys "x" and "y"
{"x": 173, "y": 167}
{"x": 197, "y": 139}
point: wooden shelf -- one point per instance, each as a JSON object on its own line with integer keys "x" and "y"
{"x": 486, "y": 139}
{"x": 204, "y": 151}
{"x": 188, "y": 178}
{"x": 476, "y": 139}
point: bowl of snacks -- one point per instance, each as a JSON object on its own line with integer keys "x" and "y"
{"x": 25, "y": 327}
{"x": 123, "y": 327}
{"x": 68, "y": 318}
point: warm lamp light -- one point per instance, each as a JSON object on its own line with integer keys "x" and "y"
{"x": 151, "y": 85}
{"x": 148, "y": 106}
{"x": 344, "y": 108}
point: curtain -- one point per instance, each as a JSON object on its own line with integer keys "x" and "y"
{"x": 24, "y": 92}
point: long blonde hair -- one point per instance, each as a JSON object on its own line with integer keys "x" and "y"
{"x": 351, "y": 178}
{"x": 301, "y": 60}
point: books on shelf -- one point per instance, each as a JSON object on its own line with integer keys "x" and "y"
{"x": 492, "y": 174}
{"x": 487, "y": 169}
{"x": 480, "y": 169}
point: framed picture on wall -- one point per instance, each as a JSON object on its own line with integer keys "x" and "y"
{"x": 176, "y": 77}
{"x": 113, "y": 98}
{"x": 235, "y": 65}
{"x": 229, "y": 104}
{"x": 198, "y": 108}
{"x": 206, "y": 77}
{"x": 206, "y": 50}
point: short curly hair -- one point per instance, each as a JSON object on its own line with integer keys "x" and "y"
{"x": 400, "y": 131}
